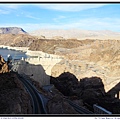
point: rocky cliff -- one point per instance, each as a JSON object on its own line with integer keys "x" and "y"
{"x": 12, "y": 30}
{"x": 86, "y": 92}
{"x": 98, "y": 58}
{"x": 13, "y": 97}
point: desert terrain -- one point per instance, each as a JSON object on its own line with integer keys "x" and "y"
{"x": 84, "y": 56}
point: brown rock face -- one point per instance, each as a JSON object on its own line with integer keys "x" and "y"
{"x": 86, "y": 92}
{"x": 92, "y": 90}
{"x": 3, "y": 65}
{"x": 66, "y": 83}
{"x": 51, "y": 45}
{"x": 57, "y": 105}
{"x": 87, "y": 88}
{"x": 13, "y": 97}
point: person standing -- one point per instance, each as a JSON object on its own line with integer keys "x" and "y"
{"x": 9, "y": 59}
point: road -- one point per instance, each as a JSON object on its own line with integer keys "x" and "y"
{"x": 78, "y": 108}
{"x": 37, "y": 98}
{"x": 39, "y": 101}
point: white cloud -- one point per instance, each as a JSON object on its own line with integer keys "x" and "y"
{"x": 58, "y": 18}
{"x": 70, "y": 7}
{"x": 4, "y": 12}
{"x": 10, "y": 6}
{"x": 30, "y": 16}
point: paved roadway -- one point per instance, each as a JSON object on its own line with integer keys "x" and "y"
{"x": 37, "y": 98}
{"x": 39, "y": 101}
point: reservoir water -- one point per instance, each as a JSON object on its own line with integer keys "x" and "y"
{"x": 15, "y": 54}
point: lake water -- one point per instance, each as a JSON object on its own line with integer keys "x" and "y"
{"x": 15, "y": 54}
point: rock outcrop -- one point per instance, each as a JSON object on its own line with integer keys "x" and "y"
{"x": 69, "y": 85}
{"x": 3, "y": 65}
{"x": 92, "y": 90}
{"x": 89, "y": 91}
{"x": 12, "y": 30}
{"x": 13, "y": 97}
{"x": 66, "y": 83}
{"x": 58, "y": 105}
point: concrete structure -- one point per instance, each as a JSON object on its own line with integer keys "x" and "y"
{"x": 39, "y": 68}
{"x": 47, "y": 63}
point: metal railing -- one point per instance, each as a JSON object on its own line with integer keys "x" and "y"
{"x": 100, "y": 110}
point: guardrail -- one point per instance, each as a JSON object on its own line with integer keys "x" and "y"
{"x": 100, "y": 110}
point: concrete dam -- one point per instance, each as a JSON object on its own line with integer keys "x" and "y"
{"x": 39, "y": 68}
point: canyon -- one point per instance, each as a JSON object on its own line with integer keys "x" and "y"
{"x": 70, "y": 63}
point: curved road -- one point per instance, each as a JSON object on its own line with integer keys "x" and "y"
{"x": 78, "y": 108}
{"x": 37, "y": 98}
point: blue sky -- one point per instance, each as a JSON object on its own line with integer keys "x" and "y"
{"x": 61, "y": 16}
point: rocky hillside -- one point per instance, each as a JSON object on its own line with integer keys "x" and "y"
{"x": 13, "y": 97}
{"x": 15, "y": 36}
{"x": 98, "y": 58}
{"x": 92, "y": 57}
{"x": 50, "y": 45}
{"x": 86, "y": 92}
{"x": 12, "y": 30}
{"x": 105, "y": 53}
{"x": 18, "y": 40}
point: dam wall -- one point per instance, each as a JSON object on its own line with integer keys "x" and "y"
{"x": 37, "y": 68}
{"x": 47, "y": 63}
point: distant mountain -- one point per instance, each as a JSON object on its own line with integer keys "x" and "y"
{"x": 77, "y": 33}
{"x": 12, "y": 30}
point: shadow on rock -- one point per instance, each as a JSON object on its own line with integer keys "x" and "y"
{"x": 66, "y": 83}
